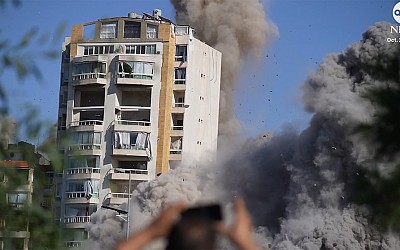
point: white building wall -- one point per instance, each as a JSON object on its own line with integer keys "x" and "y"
{"x": 203, "y": 71}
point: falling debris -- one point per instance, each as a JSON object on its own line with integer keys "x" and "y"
{"x": 230, "y": 37}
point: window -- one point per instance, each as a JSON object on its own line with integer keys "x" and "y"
{"x": 132, "y": 29}
{"x": 86, "y": 140}
{"x": 151, "y": 31}
{"x": 98, "y": 49}
{"x": 180, "y": 75}
{"x": 84, "y": 162}
{"x": 138, "y": 70}
{"x": 83, "y": 188}
{"x": 131, "y": 140}
{"x": 16, "y": 200}
{"x": 141, "y": 49}
{"x": 141, "y": 165}
{"x": 181, "y": 53}
{"x": 108, "y": 30}
{"x": 89, "y": 70}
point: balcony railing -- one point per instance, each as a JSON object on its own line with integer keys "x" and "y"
{"x": 85, "y": 76}
{"x": 175, "y": 151}
{"x": 135, "y": 76}
{"x": 132, "y": 171}
{"x": 179, "y": 105}
{"x": 180, "y": 81}
{"x": 83, "y": 171}
{"x": 120, "y": 195}
{"x": 73, "y": 244}
{"x": 137, "y": 123}
{"x": 76, "y": 219}
{"x": 80, "y": 194}
{"x": 180, "y": 58}
{"x": 86, "y": 123}
{"x": 177, "y": 127}
{"x": 84, "y": 147}
{"x": 131, "y": 146}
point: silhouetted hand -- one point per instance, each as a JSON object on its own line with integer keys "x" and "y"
{"x": 240, "y": 232}
{"x": 160, "y": 227}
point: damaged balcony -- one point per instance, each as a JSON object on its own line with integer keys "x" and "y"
{"x": 175, "y": 151}
{"x": 82, "y": 191}
{"x": 135, "y": 72}
{"x": 127, "y": 143}
{"x": 119, "y": 191}
{"x": 86, "y": 73}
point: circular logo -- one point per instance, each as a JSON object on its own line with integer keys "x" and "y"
{"x": 396, "y": 12}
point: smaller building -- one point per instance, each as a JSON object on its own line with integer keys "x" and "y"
{"x": 16, "y": 184}
{"x": 26, "y": 181}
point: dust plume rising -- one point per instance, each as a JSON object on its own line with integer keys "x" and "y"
{"x": 237, "y": 28}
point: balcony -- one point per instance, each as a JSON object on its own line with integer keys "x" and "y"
{"x": 73, "y": 244}
{"x": 176, "y": 130}
{"x": 175, "y": 154}
{"x": 89, "y": 78}
{"x": 76, "y": 219}
{"x": 179, "y": 108}
{"x": 81, "y": 197}
{"x": 123, "y": 174}
{"x": 135, "y": 72}
{"x": 129, "y": 125}
{"x": 179, "y": 84}
{"x": 87, "y": 125}
{"x": 127, "y": 143}
{"x": 130, "y": 150}
{"x": 117, "y": 198}
{"x": 83, "y": 173}
{"x": 81, "y": 147}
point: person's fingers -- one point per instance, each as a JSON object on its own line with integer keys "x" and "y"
{"x": 240, "y": 206}
{"x": 221, "y": 228}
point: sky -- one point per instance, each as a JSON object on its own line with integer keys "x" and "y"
{"x": 268, "y": 93}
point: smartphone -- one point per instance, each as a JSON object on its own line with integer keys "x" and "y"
{"x": 211, "y": 212}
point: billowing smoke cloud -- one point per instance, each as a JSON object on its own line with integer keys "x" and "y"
{"x": 237, "y": 28}
{"x": 298, "y": 187}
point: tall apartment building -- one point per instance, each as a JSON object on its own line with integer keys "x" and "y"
{"x": 139, "y": 95}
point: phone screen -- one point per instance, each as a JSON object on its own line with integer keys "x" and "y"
{"x": 211, "y": 212}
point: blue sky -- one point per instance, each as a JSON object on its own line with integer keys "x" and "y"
{"x": 268, "y": 94}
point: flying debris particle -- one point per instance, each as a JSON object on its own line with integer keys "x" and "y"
{"x": 334, "y": 148}
{"x": 342, "y": 197}
{"x": 269, "y": 100}
{"x": 270, "y": 91}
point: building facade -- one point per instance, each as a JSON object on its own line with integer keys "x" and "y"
{"x": 139, "y": 95}
{"x": 26, "y": 183}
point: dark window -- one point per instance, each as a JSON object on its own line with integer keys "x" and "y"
{"x": 132, "y": 29}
